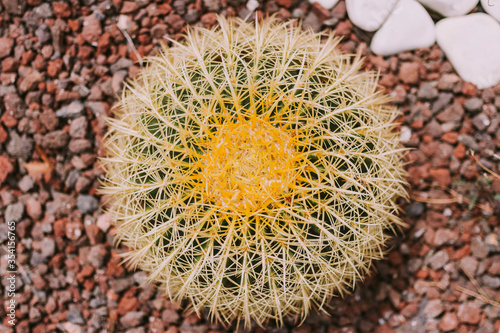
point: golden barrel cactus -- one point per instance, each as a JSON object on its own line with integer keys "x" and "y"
{"x": 253, "y": 170}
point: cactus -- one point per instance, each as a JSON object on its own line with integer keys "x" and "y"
{"x": 253, "y": 170}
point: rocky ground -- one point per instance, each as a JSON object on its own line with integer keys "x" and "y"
{"x": 62, "y": 64}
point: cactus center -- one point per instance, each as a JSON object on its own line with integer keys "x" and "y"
{"x": 248, "y": 165}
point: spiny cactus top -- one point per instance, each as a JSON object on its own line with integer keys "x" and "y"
{"x": 253, "y": 170}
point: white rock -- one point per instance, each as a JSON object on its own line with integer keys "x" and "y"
{"x": 472, "y": 44}
{"x": 405, "y": 135}
{"x": 327, "y": 4}
{"x": 450, "y": 7}
{"x": 492, "y": 7}
{"x": 252, "y": 5}
{"x": 369, "y": 14}
{"x": 408, "y": 27}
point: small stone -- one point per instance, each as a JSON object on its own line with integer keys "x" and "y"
{"x": 415, "y": 209}
{"x": 478, "y": 248}
{"x": 104, "y": 222}
{"x": 169, "y": 316}
{"x": 87, "y": 203}
{"x": 491, "y": 281}
{"x": 408, "y": 72}
{"x": 55, "y": 140}
{"x": 14, "y": 212}
{"x": 75, "y": 317}
{"x": 405, "y": 135}
{"x": 441, "y": 176}
{"x": 33, "y": 208}
{"x": 78, "y": 127}
{"x": 73, "y": 110}
{"x": 48, "y": 247}
{"x": 469, "y": 313}
{"x": 444, "y": 236}
{"x": 122, "y": 63}
{"x": 475, "y": 37}
{"x": 91, "y": 29}
{"x": 481, "y": 121}
{"x": 453, "y": 113}
{"x": 117, "y": 81}
{"x": 469, "y": 264}
{"x": 132, "y": 319}
{"x": 72, "y": 328}
{"x": 26, "y": 183}
{"x": 15, "y": 7}
{"x": 369, "y": 15}
{"x": 129, "y": 7}
{"x": 159, "y": 30}
{"x": 468, "y": 141}
{"x": 428, "y": 91}
{"x": 311, "y": 21}
{"x": 449, "y": 322}
{"x": 327, "y": 4}
{"x": 438, "y": 260}
{"x": 214, "y": 5}
{"x": 433, "y": 308}
{"x": 5, "y": 168}
{"x": 450, "y": 7}
{"x": 44, "y": 10}
{"x": 408, "y": 27}
{"x": 5, "y": 46}
{"x": 97, "y": 255}
{"x": 119, "y": 285}
{"x": 30, "y": 81}
{"x": 473, "y": 104}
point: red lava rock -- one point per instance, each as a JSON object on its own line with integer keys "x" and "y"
{"x": 469, "y": 313}
{"x": 9, "y": 65}
{"x": 469, "y": 89}
{"x": 54, "y": 67}
{"x": 408, "y": 72}
{"x": 442, "y": 176}
{"x": 5, "y": 168}
{"x": 319, "y": 10}
{"x": 209, "y": 19}
{"x": 91, "y": 29}
{"x": 344, "y": 28}
{"x": 9, "y": 120}
{"x": 449, "y": 322}
{"x": 459, "y": 151}
{"x": 61, "y": 9}
{"x": 450, "y": 137}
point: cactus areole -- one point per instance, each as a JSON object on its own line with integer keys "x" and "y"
{"x": 253, "y": 170}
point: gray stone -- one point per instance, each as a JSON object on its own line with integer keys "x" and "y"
{"x": 468, "y": 141}
{"x": 14, "y": 212}
{"x": 44, "y": 10}
{"x": 19, "y": 147}
{"x": 428, "y": 91}
{"x": 26, "y": 183}
{"x": 73, "y": 110}
{"x": 478, "y": 248}
{"x": 37, "y": 259}
{"x": 78, "y": 127}
{"x": 122, "y": 63}
{"x": 438, "y": 260}
{"x": 43, "y": 33}
{"x": 119, "y": 285}
{"x": 415, "y": 209}
{"x": 469, "y": 264}
{"x": 473, "y": 104}
{"x": 55, "y": 140}
{"x": 75, "y": 317}
{"x": 87, "y": 203}
{"x": 132, "y": 319}
{"x": 491, "y": 281}
{"x": 443, "y": 100}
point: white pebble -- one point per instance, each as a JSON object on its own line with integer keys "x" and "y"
{"x": 472, "y": 44}
{"x": 369, "y": 14}
{"x": 405, "y": 135}
{"x": 492, "y": 7}
{"x": 252, "y": 5}
{"x": 408, "y": 27}
{"x": 450, "y": 7}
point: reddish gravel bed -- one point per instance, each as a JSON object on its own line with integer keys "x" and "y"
{"x": 63, "y": 63}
